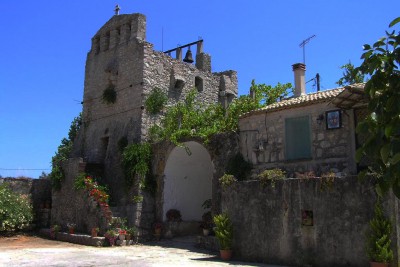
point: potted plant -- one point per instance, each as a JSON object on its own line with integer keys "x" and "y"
{"x": 130, "y": 233}
{"x": 71, "y": 228}
{"x": 54, "y": 229}
{"x": 121, "y": 234}
{"x": 111, "y": 235}
{"x": 224, "y": 233}
{"x": 378, "y": 238}
{"x": 206, "y": 223}
{"x": 157, "y": 229}
{"x": 95, "y": 231}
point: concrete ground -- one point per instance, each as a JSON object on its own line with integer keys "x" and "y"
{"x": 35, "y": 251}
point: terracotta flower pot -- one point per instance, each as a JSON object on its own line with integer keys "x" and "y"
{"x": 157, "y": 231}
{"x": 121, "y": 237}
{"x": 71, "y": 231}
{"x": 226, "y": 254}
{"x": 94, "y": 233}
{"x": 378, "y": 264}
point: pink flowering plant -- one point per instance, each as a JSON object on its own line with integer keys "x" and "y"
{"x": 96, "y": 192}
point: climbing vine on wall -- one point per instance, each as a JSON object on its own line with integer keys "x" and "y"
{"x": 136, "y": 163}
{"x": 64, "y": 149}
{"x": 156, "y": 101}
{"x": 109, "y": 95}
{"x": 191, "y": 118}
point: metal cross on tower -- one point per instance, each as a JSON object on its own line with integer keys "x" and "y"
{"x": 117, "y": 9}
{"x": 303, "y": 44}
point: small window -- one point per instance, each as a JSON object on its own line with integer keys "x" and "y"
{"x": 298, "y": 138}
{"x": 198, "y": 83}
{"x": 179, "y": 84}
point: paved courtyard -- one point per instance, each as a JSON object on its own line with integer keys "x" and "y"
{"x": 36, "y": 251}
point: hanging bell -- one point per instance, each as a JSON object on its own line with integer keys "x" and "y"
{"x": 188, "y": 57}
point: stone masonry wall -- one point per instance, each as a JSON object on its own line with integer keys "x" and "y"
{"x": 39, "y": 193}
{"x": 269, "y": 227}
{"x": 330, "y": 149}
{"x": 72, "y": 205}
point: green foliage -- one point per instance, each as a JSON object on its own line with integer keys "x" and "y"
{"x": 136, "y": 160}
{"x": 156, "y": 101}
{"x": 64, "y": 149}
{"x": 350, "y": 75}
{"x": 190, "y": 118}
{"x": 378, "y": 246}
{"x": 137, "y": 199}
{"x": 109, "y": 95}
{"x": 227, "y": 179}
{"x": 15, "y": 210}
{"x": 238, "y": 167}
{"x": 272, "y": 176}
{"x": 382, "y": 126}
{"x": 266, "y": 94}
{"x": 79, "y": 182}
{"x": 223, "y": 230}
{"x": 122, "y": 143}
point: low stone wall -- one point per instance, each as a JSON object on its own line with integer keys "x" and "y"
{"x": 304, "y": 222}
{"x": 39, "y": 192}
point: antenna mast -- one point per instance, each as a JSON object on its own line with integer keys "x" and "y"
{"x": 303, "y": 44}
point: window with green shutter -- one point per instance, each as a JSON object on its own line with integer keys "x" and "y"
{"x": 298, "y": 138}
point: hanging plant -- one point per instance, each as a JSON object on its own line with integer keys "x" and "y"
{"x": 156, "y": 101}
{"x": 109, "y": 95}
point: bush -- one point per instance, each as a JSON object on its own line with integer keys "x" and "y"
{"x": 272, "y": 176}
{"x": 378, "y": 243}
{"x": 15, "y": 210}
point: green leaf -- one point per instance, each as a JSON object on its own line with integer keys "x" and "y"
{"x": 394, "y": 22}
{"x": 385, "y": 151}
{"x": 395, "y": 159}
{"x": 359, "y": 154}
{"x": 388, "y": 130}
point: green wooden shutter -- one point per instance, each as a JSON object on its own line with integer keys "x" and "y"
{"x": 298, "y": 138}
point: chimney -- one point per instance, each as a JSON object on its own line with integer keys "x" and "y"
{"x": 299, "y": 70}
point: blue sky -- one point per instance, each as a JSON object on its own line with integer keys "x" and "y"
{"x": 44, "y": 45}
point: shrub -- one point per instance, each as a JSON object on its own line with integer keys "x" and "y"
{"x": 15, "y": 210}
{"x": 223, "y": 230}
{"x": 156, "y": 101}
{"x": 227, "y": 179}
{"x": 378, "y": 246}
{"x": 174, "y": 215}
{"x": 271, "y": 175}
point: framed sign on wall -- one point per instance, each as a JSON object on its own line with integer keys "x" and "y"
{"x": 333, "y": 119}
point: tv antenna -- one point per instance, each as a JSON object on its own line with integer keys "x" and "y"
{"x": 303, "y": 44}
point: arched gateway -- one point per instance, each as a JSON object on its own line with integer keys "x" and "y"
{"x": 187, "y": 181}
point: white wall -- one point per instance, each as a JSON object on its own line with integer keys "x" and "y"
{"x": 187, "y": 181}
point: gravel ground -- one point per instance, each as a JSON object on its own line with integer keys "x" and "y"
{"x": 25, "y": 250}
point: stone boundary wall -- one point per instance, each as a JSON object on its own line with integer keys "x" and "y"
{"x": 39, "y": 192}
{"x": 272, "y": 224}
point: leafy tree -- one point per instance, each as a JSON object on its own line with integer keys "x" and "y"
{"x": 15, "y": 210}
{"x": 350, "y": 75}
{"x": 381, "y": 63}
{"x": 64, "y": 149}
{"x": 266, "y": 94}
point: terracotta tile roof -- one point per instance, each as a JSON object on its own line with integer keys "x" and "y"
{"x": 303, "y": 100}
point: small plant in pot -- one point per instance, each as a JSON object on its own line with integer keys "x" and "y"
{"x": 130, "y": 233}
{"x": 378, "y": 238}
{"x": 54, "y": 229}
{"x": 224, "y": 233}
{"x": 95, "y": 231}
{"x": 111, "y": 235}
